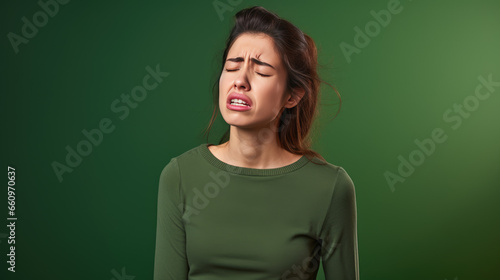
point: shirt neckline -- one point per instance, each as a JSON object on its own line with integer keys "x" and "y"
{"x": 212, "y": 159}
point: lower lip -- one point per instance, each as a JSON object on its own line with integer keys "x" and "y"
{"x": 238, "y": 108}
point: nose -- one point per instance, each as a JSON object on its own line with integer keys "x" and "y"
{"x": 240, "y": 85}
{"x": 241, "y": 81}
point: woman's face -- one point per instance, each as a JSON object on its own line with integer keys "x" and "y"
{"x": 253, "y": 68}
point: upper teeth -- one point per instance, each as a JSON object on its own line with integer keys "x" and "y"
{"x": 238, "y": 101}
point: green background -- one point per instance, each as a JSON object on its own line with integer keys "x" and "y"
{"x": 440, "y": 223}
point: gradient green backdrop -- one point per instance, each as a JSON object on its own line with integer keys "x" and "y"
{"x": 100, "y": 221}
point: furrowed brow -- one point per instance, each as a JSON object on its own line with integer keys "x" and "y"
{"x": 256, "y": 61}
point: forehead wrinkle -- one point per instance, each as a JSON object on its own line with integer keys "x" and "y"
{"x": 246, "y": 53}
{"x": 246, "y": 49}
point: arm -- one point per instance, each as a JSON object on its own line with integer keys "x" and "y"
{"x": 339, "y": 250}
{"x": 170, "y": 261}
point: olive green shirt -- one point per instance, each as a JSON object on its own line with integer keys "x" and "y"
{"x": 217, "y": 221}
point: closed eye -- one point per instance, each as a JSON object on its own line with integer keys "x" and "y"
{"x": 232, "y": 70}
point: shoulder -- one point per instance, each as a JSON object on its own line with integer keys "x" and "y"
{"x": 340, "y": 182}
{"x": 344, "y": 186}
{"x": 186, "y": 158}
{"x": 327, "y": 169}
{"x": 171, "y": 175}
{"x": 341, "y": 188}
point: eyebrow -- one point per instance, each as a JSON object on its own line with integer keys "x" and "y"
{"x": 256, "y": 61}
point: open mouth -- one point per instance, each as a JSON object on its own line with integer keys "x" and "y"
{"x": 239, "y": 102}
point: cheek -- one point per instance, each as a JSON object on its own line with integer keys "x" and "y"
{"x": 223, "y": 80}
{"x": 271, "y": 94}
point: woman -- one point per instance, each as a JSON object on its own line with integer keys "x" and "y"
{"x": 261, "y": 205}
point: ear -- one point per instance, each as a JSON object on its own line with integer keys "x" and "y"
{"x": 293, "y": 101}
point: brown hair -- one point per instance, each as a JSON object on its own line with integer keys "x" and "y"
{"x": 299, "y": 56}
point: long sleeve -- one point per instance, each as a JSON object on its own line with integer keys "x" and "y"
{"x": 170, "y": 261}
{"x": 339, "y": 250}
